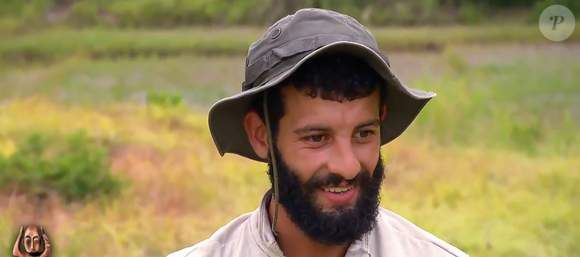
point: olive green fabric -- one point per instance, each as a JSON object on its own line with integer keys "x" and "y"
{"x": 287, "y": 44}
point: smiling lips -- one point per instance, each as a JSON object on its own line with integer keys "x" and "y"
{"x": 339, "y": 195}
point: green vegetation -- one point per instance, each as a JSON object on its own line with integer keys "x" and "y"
{"x": 48, "y": 46}
{"x": 21, "y": 16}
{"x": 491, "y": 165}
{"x": 33, "y": 31}
{"x": 524, "y": 106}
{"x": 109, "y": 122}
{"x": 74, "y": 168}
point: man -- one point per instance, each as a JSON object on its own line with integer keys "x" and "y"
{"x": 318, "y": 101}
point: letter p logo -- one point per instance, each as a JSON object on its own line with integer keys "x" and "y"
{"x": 557, "y": 23}
{"x": 557, "y": 20}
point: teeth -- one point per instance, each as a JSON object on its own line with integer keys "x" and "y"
{"x": 337, "y": 189}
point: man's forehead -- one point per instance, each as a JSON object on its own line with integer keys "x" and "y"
{"x": 303, "y": 110}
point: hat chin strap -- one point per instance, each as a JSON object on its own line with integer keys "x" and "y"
{"x": 274, "y": 166}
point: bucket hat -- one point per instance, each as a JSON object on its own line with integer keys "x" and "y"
{"x": 284, "y": 47}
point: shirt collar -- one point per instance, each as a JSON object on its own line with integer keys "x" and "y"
{"x": 261, "y": 230}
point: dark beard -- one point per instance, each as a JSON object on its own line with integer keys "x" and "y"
{"x": 342, "y": 226}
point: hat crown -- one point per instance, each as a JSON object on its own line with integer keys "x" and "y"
{"x": 307, "y": 25}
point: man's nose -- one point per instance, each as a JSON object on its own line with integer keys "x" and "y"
{"x": 343, "y": 160}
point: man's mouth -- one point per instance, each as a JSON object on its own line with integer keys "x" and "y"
{"x": 339, "y": 195}
{"x": 337, "y": 190}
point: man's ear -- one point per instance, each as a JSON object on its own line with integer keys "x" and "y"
{"x": 257, "y": 134}
{"x": 383, "y": 112}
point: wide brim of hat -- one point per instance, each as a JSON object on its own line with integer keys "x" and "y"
{"x": 403, "y": 104}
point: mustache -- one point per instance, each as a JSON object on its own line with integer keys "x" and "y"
{"x": 333, "y": 179}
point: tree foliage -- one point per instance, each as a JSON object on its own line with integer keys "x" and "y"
{"x": 176, "y": 13}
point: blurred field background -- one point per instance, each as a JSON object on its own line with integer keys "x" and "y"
{"x": 104, "y": 138}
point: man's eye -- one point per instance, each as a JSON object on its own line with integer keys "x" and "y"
{"x": 365, "y": 133}
{"x": 315, "y": 138}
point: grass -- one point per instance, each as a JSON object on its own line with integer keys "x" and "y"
{"x": 48, "y": 46}
{"x": 128, "y": 80}
{"x": 490, "y": 166}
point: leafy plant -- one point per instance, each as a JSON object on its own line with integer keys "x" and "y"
{"x": 164, "y": 99}
{"x": 165, "y": 106}
{"x": 75, "y": 167}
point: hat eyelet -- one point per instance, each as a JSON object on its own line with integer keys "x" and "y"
{"x": 275, "y": 33}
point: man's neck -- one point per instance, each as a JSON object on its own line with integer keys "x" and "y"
{"x": 293, "y": 242}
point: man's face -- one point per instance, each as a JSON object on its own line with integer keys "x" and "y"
{"x": 329, "y": 165}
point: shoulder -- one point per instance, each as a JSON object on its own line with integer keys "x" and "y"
{"x": 413, "y": 240}
{"x": 223, "y": 242}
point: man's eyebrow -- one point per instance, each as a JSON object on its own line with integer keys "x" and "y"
{"x": 320, "y": 128}
{"x": 374, "y": 123}
{"x": 313, "y": 128}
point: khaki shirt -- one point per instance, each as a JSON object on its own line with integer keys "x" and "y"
{"x": 250, "y": 235}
